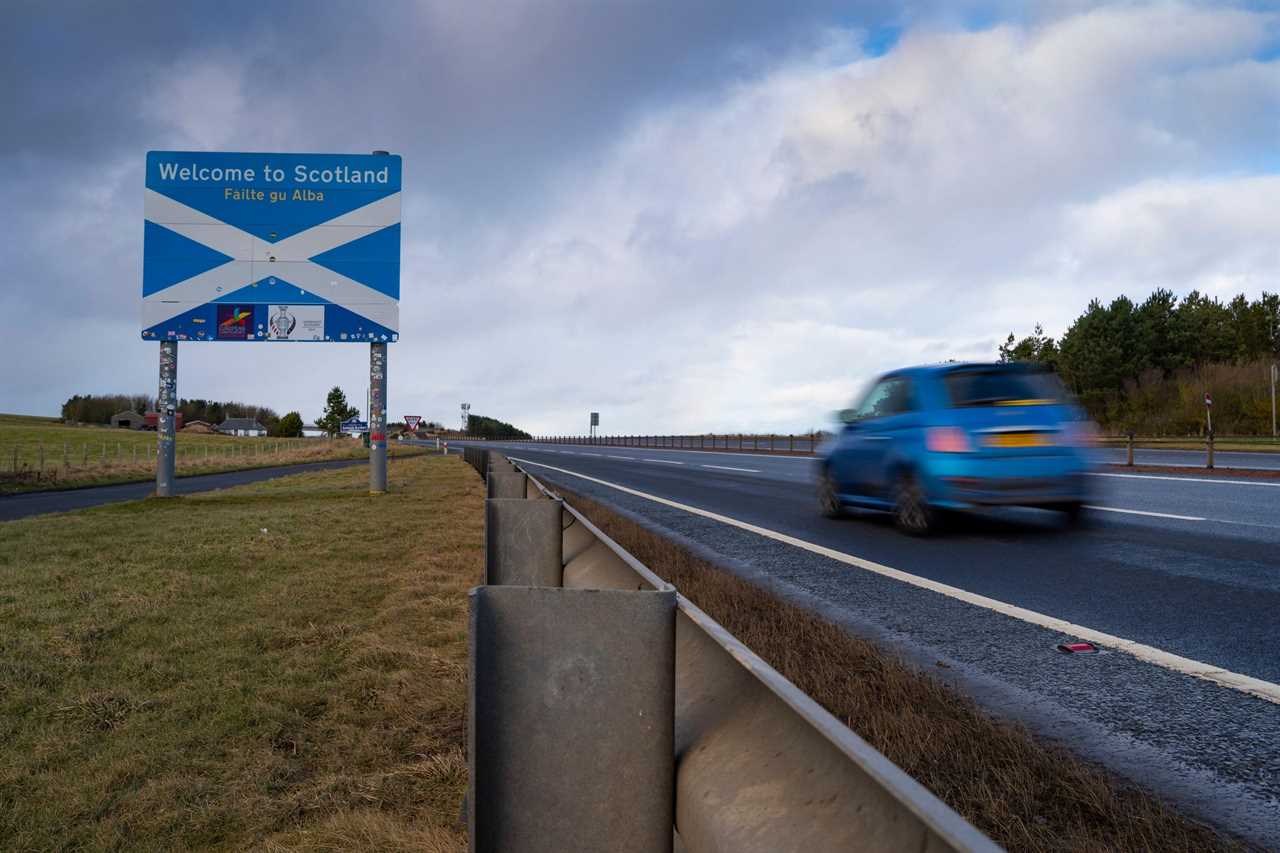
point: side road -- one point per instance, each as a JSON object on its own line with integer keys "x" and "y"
{"x": 37, "y": 503}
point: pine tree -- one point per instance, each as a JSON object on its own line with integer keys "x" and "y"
{"x": 336, "y": 410}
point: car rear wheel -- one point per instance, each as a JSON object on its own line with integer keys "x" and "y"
{"x": 911, "y": 511}
{"x": 1073, "y": 514}
{"x": 828, "y": 497}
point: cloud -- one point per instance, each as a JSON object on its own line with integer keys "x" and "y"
{"x": 718, "y": 216}
{"x": 786, "y": 241}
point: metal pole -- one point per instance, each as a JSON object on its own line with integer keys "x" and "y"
{"x": 1274, "y": 370}
{"x": 165, "y": 407}
{"x": 1210, "y": 465}
{"x": 377, "y": 418}
{"x": 1129, "y": 462}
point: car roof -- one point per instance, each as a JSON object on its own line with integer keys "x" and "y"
{"x": 947, "y": 367}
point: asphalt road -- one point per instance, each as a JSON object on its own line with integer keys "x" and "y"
{"x": 38, "y": 503}
{"x": 1188, "y": 567}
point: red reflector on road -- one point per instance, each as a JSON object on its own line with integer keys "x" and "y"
{"x": 1074, "y": 648}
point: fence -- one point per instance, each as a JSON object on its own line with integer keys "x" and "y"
{"x": 608, "y": 712}
{"x": 804, "y": 444}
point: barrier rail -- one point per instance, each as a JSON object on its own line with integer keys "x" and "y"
{"x": 609, "y": 713}
{"x": 804, "y": 444}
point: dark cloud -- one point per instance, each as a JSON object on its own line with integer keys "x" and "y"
{"x": 696, "y": 213}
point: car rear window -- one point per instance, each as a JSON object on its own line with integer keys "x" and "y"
{"x": 997, "y": 386}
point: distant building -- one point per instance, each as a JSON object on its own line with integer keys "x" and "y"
{"x": 203, "y": 427}
{"x": 127, "y": 419}
{"x": 242, "y": 426}
{"x": 312, "y": 431}
{"x": 152, "y": 421}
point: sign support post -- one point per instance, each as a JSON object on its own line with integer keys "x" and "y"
{"x": 377, "y": 418}
{"x": 166, "y": 409}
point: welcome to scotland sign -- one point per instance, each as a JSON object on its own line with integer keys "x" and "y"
{"x": 271, "y": 247}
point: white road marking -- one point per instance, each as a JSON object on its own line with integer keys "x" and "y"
{"x": 628, "y": 458}
{"x": 662, "y": 461}
{"x": 1225, "y": 678}
{"x": 585, "y": 453}
{"x": 1145, "y": 512}
{"x": 1275, "y": 485}
{"x": 727, "y": 468}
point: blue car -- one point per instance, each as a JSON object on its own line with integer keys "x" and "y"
{"x": 957, "y": 437}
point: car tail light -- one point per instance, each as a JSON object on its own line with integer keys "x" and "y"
{"x": 947, "y": 440}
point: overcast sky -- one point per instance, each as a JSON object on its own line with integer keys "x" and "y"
{"x": 688, "y": 215}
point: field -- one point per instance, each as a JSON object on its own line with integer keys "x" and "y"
{"x": 287, "y": 674}
{"x": 43, "y": 453}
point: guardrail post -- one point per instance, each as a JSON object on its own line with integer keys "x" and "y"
{"x": 523, "y": 543}
{"x": 571, "y": 721}
{"x": 1210, "y": 444}
{"x": 1129, "y": 461}
{"x": 503, "y": 485}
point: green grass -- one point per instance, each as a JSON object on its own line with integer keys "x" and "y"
{"x": 277, "y": 666}
{"x": 41, "y": 453}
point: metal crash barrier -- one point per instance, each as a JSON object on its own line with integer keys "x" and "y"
{"x": 608, "y": 713}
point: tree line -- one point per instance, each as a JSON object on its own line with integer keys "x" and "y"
{"x": 481, "y": 427}
{"x": 1147, "y": 366}
{"x": 98, "y": 409}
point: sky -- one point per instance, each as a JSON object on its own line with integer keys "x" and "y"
{"x": 687, "y": 215}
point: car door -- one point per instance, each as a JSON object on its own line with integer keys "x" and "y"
{"x": 887, "y": 437}
{"x": 866, "y": 440}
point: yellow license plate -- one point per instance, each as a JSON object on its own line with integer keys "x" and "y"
{"x": 1017, "y": 439}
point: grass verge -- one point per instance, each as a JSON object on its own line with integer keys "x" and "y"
{"x": 278, "y": 666}
{"x": 1026, "y": 795}
{"x": 57, "y": 457}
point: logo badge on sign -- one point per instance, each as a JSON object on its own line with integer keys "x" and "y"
{"x": 234, "y": 322}
{"x": 282, "y": 323}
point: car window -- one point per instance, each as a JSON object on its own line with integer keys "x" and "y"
{"x": 890, "y": 396}
{"x": 1002, "y": 386}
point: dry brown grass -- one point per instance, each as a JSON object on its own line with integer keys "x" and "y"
{"x": 278, "y": 666}
{"x": 1026, "y": 795}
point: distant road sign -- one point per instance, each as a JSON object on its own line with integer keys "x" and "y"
{"x": 412, "y": 421}
{"x": 271, "y": 247}
{"x": 355, "y": 425}
{"x": 1208, "y": 401}
{"x": 595, "y": 419}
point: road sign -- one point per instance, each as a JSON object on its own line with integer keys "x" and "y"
{"x": 595, "y": 419}
{"x": 271, "y": 247}
{"x": 355, "y": 426}
{"x": 412, "y": 421}
{"x": 1208, "y": 401}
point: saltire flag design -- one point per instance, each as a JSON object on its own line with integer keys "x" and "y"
{"x": 260, "y": 231}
